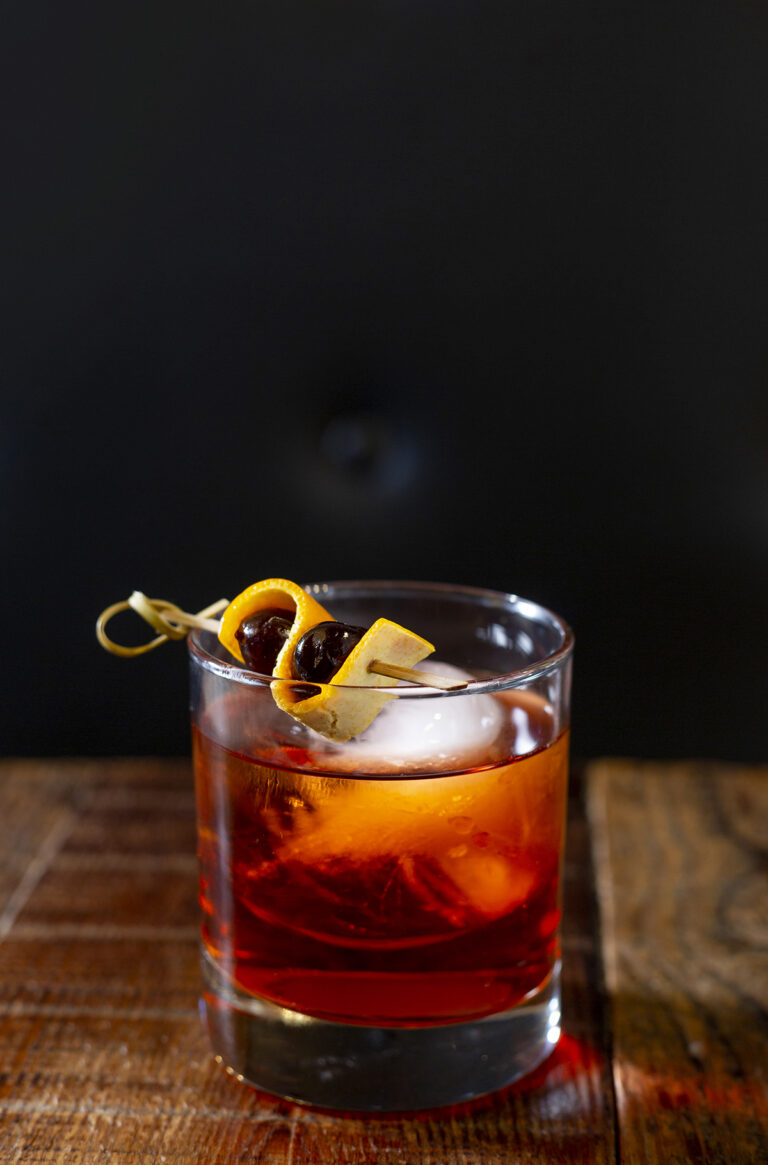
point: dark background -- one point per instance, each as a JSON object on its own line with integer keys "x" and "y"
{"x": 467, "y": 291}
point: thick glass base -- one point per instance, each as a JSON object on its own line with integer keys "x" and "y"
{"x": 346, "y": 1066}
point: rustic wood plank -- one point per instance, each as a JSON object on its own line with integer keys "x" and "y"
{"x": 127, "y": 974}
{"x": 102, "y": 1055}
{"x": 106, "y": 828}
{"x": 65, "y": 899}
{"x": 682, "y": 856}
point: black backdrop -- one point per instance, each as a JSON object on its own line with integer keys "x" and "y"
{"x": 468, "y": 291}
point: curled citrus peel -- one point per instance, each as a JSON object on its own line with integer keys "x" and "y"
{"x": 337, "y": 712}
{"x": 272, "y": 592}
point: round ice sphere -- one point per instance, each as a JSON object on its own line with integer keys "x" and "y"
{"x": 452, "y": 731}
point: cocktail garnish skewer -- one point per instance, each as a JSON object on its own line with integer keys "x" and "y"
{"x": 165, "y": 617}
{"x": 172, "y": 623}
{"x": 415, "y": 676}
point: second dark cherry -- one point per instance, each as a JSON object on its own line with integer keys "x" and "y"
{"x": 322, "y": 650}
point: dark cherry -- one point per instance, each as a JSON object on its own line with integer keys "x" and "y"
{"x": 322, "y": 650}
{"x": 262, "y": 635}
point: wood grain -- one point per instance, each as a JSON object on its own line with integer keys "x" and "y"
{"x": 103, "y": 1055}
{"x": 682, "y": 872}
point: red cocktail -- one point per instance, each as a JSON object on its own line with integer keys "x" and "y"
{"x": 396, "y": 896}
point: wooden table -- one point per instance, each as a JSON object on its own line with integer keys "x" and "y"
{"x": 665, "y": 1056}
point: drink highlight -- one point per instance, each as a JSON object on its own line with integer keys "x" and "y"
{"x": 406, "y": 879}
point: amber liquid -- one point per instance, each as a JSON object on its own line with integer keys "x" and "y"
{"x": 410, "y": 900}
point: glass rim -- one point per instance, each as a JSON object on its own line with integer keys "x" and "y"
{"x": 489, "y": 685}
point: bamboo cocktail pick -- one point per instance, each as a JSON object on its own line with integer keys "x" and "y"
{"x": 172, "y": 623}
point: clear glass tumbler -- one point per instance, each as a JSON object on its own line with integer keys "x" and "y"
{"x": 380, "y": 918}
